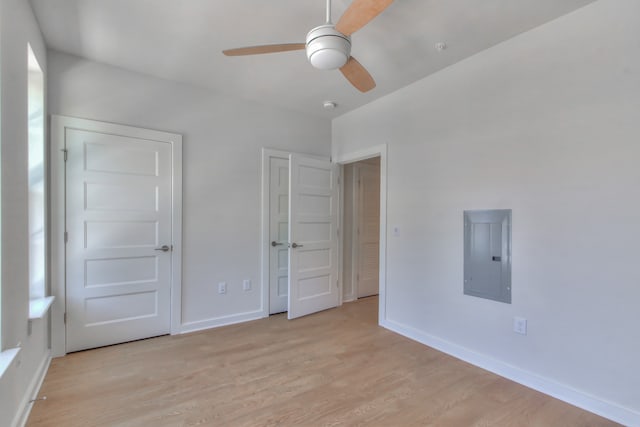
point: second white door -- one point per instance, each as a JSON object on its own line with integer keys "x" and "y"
{"x": 119, "y": 215}
{"x": 278, "y": 234}
{"x": 313, "y": 222}
{"x": 368, "y": 230}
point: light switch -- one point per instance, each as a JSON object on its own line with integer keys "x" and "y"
{"x": 520, "y": 325}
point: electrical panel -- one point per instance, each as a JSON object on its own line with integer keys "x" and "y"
{"x": 487, "y": 254}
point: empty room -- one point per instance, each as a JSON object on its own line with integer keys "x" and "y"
{"x": 319, "y": 212}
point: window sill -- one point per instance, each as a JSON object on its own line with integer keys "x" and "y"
{"x": 39, "y": 307}
{"x": 6, "y": 358}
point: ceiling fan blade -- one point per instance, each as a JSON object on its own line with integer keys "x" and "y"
{"x": 358, "y": 75}
{"x": 359, "y": 13}
{"x": 269, "y": 48}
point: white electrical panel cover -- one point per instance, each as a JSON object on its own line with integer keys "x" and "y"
{"x": 487, "y": 254}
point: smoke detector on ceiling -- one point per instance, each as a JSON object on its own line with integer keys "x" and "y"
{"x": 329, "y": 105}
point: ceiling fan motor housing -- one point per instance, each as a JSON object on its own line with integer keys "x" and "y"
{"x": 328, "y": 49}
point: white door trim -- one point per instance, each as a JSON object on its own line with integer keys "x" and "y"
{"x": 356, "y": 156}
{"x": 59, "y": 125}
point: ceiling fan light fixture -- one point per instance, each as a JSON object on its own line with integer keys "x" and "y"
{"x": 327, "y": 49}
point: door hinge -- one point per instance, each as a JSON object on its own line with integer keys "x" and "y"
{"x": 337, "y": 284}
{"x": 66, "y": 237}
{"x": 66, "y": 153}
{"x": 65, "y": 318}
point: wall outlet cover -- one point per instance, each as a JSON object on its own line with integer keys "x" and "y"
{"x": 222, "y": 287}
{"x": 520, "y": 325}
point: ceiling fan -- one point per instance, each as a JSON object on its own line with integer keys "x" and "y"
{"x": 329, "y": 46}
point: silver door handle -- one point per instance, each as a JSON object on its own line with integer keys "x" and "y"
{"x": 274, "y": 244}
{"x": 295, "y": 245}
{"x": 164, "y": 248}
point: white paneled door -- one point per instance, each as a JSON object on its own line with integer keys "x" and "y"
{"x": 368, "y": 232}
{"x": 119, "y": 248}
{"x": 278, "y": 234}
{"x": 313, "y": 220}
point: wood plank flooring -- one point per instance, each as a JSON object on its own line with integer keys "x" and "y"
{"x": 333, "y": 368}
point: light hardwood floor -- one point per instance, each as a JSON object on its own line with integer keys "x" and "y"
{"x": 330, "y": 369}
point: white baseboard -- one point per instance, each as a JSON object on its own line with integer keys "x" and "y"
{"x": 216, "y": 322}
{"x": 24, "y": 408}
{"x": 562, "y": 392}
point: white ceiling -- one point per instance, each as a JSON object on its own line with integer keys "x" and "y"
{"x": 182, "y": 40}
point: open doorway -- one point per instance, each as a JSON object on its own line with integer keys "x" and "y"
{"x": 361, "y": 229}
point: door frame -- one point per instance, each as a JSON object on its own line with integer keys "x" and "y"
{"x": 59, "y": 126}
{"x": 356, "y": 156}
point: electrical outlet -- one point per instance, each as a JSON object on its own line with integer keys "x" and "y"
{"x": 520, "y": 325}
{"x": 246, "y": 285}
{"x": 222, "y": 287}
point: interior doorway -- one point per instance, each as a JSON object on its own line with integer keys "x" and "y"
{"x": 361, "y": 229}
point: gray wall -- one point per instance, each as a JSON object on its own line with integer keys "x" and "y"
{"x": 546, "y": 124}
{"x": 17, "y": 28}
{"x": 222, "y": 141}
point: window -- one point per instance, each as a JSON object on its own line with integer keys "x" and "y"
{"x": 37, "y": 205}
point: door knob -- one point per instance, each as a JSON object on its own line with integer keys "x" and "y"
{"x": 164, "y": 248}
{"x": 295, "y": 245}
{"x": 274, "y": 244}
